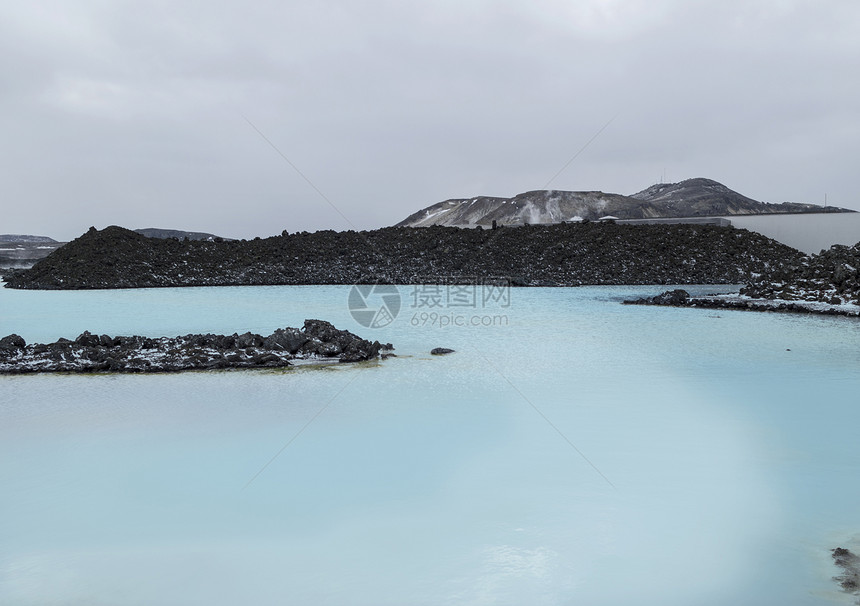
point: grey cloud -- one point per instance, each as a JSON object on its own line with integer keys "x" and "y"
{"x": 134, "y": 113}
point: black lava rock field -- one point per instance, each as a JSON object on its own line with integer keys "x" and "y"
{"x": 571, "y": 254}
{"x": 832, "y": 277}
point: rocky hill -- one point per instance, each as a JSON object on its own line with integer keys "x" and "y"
{"x": 704, "y": 197}
{"x": 690, "y": 198}
{"x": 531, "y": 208}
{"x": 569, "y": 254}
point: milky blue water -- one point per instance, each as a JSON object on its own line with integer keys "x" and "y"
{"x": 582, "y": 452}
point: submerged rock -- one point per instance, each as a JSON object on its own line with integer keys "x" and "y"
{"x": 441, "y": 351}
{"x": 318, "y": 340}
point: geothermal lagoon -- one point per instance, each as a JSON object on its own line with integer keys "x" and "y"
{"x": 572, "y": 450}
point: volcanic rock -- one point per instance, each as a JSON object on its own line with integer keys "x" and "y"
{"x": 318, "y": 340}
{"x": 571, "y": 254}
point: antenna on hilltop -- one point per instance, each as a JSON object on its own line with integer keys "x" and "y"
{"x": 825, "y": 199}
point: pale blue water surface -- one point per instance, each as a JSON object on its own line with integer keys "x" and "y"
{"x": 584, "y": 452}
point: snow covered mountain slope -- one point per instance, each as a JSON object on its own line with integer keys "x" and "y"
{"x": 532, "y": 207}
{"x": 690, "y": 198}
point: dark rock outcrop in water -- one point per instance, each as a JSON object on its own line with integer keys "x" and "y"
{"x": 546, "y": 255}
{"x": 827, "y": 283}
{"x": 849, "y": 564}
{"x": 677, "y": 297}
{"x": 681, "y": 298}
{"x": 317, "y": 340}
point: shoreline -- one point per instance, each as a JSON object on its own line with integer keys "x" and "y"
{"x": 739, "y": 302}
{"x": 439, "y": 280}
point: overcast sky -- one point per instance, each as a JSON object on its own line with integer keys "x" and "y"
{"x": 146, "y": 114}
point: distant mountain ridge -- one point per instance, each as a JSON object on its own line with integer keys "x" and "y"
{"x": 705, "y": 197}
{"x": 691, "y": 198}
{"x": 156, "y": 232}
{"x": 25, "y": 239}
{"x": 18, "y": 251}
